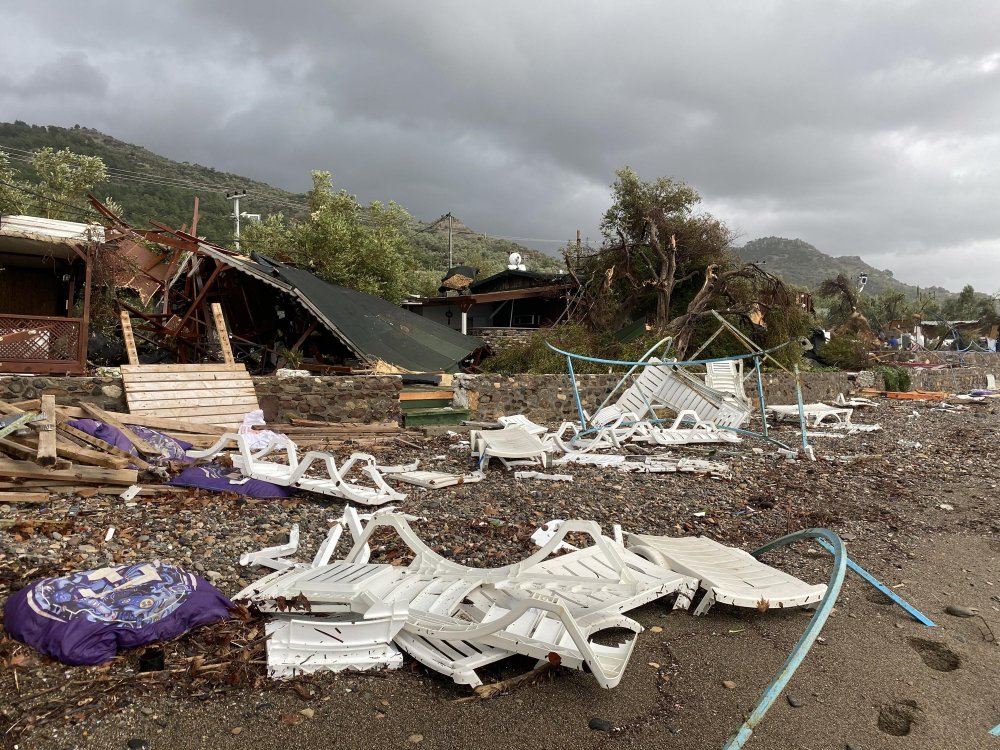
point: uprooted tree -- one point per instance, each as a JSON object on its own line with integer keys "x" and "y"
{"x": 845, "y": 313}
{"x": 663, "y": 260}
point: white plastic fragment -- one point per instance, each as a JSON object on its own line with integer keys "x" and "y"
{"x": 110, "y": 534}
{"x": 544, "y": 476}
{"x": 131, "y": 493}
{"x": 546, "y": 531}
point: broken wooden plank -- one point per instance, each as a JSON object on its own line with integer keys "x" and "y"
{"x": 46, "y": 454}
{"x": 86, "y": 474}
{"x": 138, "y": 442}
{"x": 74, "y": 453}
{"x": 101, "y": 445}
{"x": 28, "y": 450}
{"x": 220, "y": 327}
{"x": 130, "y": 350}
{"x": 24, "y": 497}
{"x": 173, "y": 369}
{"x": 15, "y": 421}
{"x": 144, "y": 420}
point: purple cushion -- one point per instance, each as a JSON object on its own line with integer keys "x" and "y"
{"x": 87, "y": 617}
{"x": 221, "y": 479}
{"x": 173, "y": 450}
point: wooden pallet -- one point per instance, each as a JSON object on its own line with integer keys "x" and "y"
{"x": 217, "y": 394}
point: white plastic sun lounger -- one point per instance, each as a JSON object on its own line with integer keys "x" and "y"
{"x": 514, "y": 446}
{"x": 293, "y": 473}
{"x": 305, "y": 645}
{"x": 728, "y": 575}
{"x": 699, "y": 432}
{"x": 726, "y": 376}
{"x": 814, "y": 413}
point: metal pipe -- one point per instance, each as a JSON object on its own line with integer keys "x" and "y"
{"x": 806, "y": 640}
{"x": 913, "y": 611}
{"x": 802, "y": 411}
{"x": 760, "y": 395}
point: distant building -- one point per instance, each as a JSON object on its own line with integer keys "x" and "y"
{"x": 511, "y": 299}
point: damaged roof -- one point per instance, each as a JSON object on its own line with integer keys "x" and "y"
{"x": 376, "y": 328}
{"x": 373, "y": 328}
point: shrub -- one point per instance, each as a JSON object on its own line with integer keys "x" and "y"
{"x": 844, "y": 353}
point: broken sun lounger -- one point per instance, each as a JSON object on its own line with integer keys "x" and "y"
{"x": 727, "y": 575}
{"x": 513, "y": 446}
{"x": 458, "y": 619}
{"x": 293, "y": 473}
{"x": 814, "y": 413}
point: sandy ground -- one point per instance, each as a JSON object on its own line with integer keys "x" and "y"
{"x": 879, "y": 679}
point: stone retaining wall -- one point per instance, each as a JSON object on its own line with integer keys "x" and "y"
{"x": 363, "y": 398}
{"x": 333, "y": 399}
{"x": 105, "y": 391}
{"x": 548, "y": 399}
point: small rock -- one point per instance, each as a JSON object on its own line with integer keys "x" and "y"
{"x": 414, "y": 739}
{"x": 88, "y": 549}
{"x": 654, "y": 665}
{"x": 137, "y": 743}
{"x": 956, "y": 610}
{"x": 599, "y": 725}
{"x": 147, "y": 710}
{"x": 307, "y": 712}
{"x": 656, "y": 629}
{"x": 793, "y": 702}
{"x": 236, "y": 730}
{"x": 729, "y": 684}
{"x": 851, "y": 747}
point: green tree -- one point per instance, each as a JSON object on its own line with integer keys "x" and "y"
{"x": 342, "y": 242}
{"x": 63, "y": 180}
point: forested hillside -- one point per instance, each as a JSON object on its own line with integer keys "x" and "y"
{"x": 150, "y": 186}
{"x": 799, "y": 263}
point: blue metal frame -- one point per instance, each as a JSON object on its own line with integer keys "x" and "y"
{"x": 911, "y": 610}
{"x": 808, "y": 637}
{"x": 755, "y": 356}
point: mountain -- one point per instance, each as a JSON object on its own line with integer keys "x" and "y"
{"x": 150, "y": 186}
{"x": 799, "y": 263}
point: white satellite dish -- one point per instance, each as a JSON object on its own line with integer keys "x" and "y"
{"x": 514, "y": 262}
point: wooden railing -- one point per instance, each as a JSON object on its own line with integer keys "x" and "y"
{"x": 42, "y": 344}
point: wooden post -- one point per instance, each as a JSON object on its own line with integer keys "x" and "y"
{"x": 85, "y": 316}
{"x": 46, "y": 454}
{"x": 130, "y": 350}
{"x": 220, "y": 327}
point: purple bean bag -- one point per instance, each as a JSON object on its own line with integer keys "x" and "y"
{"x": 88, "y": 617}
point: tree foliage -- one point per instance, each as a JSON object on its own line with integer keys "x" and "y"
{"x": 59, "y": 190}
{"x": 342, "y": 242}
{"x": 663, "y": 260}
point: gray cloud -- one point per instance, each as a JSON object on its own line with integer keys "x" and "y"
{"x": 864, "y": 128}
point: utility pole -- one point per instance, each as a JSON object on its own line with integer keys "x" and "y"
{"x": 235, "y": 198}
{"x": 577, "y": 239}
{"x": 450, "y": 263}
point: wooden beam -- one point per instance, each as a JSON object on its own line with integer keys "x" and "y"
{"x": 27, "y": 448}
{"x": 24, "y": 497}
{"x": 46, "y": 455}
{"x": 98, "y": 413}
{"x": 130, "y": 350}
{"x": 201, "y": 295}
{"x": 220, "y": 327}
{"x": 142, "y": 420}
{"x": 85, "y": 474}
{"x": 85, "y": 315}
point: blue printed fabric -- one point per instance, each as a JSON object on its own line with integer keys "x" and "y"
{"x": 222, "y": 479}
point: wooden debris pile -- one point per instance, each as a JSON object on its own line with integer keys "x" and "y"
{"x": 42, "y": 452}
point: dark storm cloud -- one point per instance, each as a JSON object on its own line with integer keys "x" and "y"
{"x": 865, "y": 128}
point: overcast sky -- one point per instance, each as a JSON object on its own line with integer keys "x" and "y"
{"x": 864, "y": 128}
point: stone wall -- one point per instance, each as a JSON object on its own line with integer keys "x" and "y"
{"x": 364, "y": 398}
{"x": 546, "y": 399}
{"x": 334, "y": 399}
{"x": 105, "y": 390}
{"x": 501, "y": 338}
